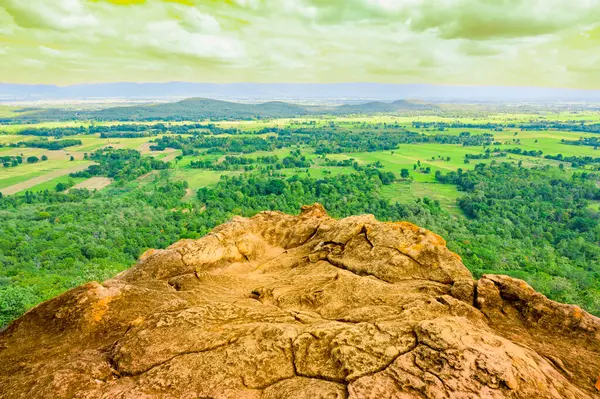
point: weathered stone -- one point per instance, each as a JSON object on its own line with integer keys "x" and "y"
{"x": 280, "y": 306}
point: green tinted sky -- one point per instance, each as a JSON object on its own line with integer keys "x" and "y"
{"x": 480, "y": 42}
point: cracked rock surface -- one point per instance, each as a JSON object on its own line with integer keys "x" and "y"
{"x": 280, "y": 306}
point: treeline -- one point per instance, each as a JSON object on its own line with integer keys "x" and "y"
{"x": 520, "y": 151}
{"x": 104, "y": 130}
{"x": 442, "y": 126}
{"x": 294, "y": 160}
{"x": 54, "y": 131}
{"x": 576, "y": 161}
{"x": 487, "y": 154}
{"x": 190, "y": 144}
{"x": 562, "y": 126}
{"x": 324, "y": 141}
{"x": 587, "y": 141}
{"x": 120, "y": 164}
{"x": 49, "y": 145}
{"x": 574, "y": 126}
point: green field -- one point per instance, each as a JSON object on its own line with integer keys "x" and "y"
{"x": 197, "y": 179}
{"x": 51, "y": 184}
{"x": 405, "y": 192}
{"x": 437, "y": 157}
{"x": 23, "y": 173}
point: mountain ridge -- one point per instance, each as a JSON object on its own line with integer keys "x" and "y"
{"x": 360, "y": 91}
{"x": 200, "y": 108}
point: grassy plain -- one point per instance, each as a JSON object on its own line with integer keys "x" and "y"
{"x": 51, "y": 184}
{"x": 24, "y": 177}
{"x": 440, "y": 157}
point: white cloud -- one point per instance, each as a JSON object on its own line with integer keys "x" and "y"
{"x": 196, "y": 21}
{"x": 54, "y": 14}
{"x": 49, "y": 51}
{"x": 32, "y": 63}
{"x": 404, "y": 41}
{"x": 254, "y": 4}
{"x": 169, "y": 37}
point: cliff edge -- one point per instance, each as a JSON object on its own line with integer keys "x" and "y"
{"x": 280, "y": 306}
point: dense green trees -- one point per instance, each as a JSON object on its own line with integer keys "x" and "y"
{"x": 535, "y": 224}
{"x": 50, "y": 242}
{"x": 120, "y": 164}
{"x": 11, "y": 160}
{"x": 49, "y": 145}
{"x": 323, "y": 140}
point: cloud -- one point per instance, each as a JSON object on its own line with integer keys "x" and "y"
{"x": 196, "y": 21}
{"x": 53, "y": 14}
{"x": 493, "y": 42}
{"x": 49, "y": 51}
{"x": 169, "y": 37}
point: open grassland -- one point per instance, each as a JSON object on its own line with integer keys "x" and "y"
{"x": 50, "y": 185}
{"x": 409, "y": 155}
{"x": 20, "y": 178}
{"x": 405, "y": 192}
{"x": 436, "y": 157}
{"x": 197, "y": 178}
{"x": 7, "y": 139}
{"x": 93, "y": 183}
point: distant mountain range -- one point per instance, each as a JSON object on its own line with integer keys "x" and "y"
{"x": 341, "y": 93}
{"x": 204, "y": 108}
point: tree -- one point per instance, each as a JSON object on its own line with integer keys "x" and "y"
{"x": 72, "y": 158}
{"x": 44, "y": 157}
{"x": 404, "y": 173}
{"x": 32, "y": 159}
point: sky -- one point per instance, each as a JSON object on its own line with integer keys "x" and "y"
{"x": 547, "y": 43}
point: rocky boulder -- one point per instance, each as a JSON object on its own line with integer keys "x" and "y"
{"x": 280, "y": 306}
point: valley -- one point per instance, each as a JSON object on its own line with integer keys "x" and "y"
{"x": 83, "y": 198}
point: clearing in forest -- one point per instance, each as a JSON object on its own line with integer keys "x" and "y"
{"x": 94, "y": 183}
{"x": 15, "y": 188}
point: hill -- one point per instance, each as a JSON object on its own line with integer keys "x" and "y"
{"x": 204, "y": 108}
{"x": 200, "y": 108}
{"x": 307, "y": 306}
{"x": 375, "y": 107}
{"x": 348, "y": 92}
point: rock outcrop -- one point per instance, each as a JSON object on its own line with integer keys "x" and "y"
{"x": 280, "y": 306}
